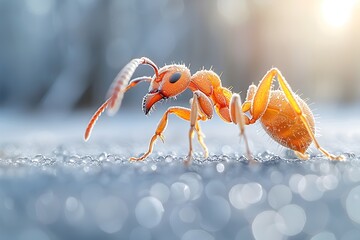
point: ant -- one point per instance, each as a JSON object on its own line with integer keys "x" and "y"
{"x": 284, "y": 115}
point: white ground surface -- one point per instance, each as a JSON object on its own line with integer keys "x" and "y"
{"x": 55, "y": 186}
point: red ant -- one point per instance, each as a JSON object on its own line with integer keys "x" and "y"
{"x": 283, "y": 114}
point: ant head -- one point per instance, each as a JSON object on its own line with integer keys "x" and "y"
{"x": 170, "y": 82}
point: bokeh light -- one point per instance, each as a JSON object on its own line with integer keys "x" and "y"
{"x": 149, "y": 212}
{"x": 337, "y": 12}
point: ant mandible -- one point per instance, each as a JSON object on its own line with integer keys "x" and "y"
{"x": 283, "y": 114}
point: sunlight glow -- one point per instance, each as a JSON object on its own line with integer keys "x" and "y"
{"x": 337, "y": 12}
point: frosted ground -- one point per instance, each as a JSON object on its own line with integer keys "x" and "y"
{"x": 55, "y": 186}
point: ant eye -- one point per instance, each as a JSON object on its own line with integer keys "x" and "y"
{"x": 175, "y": 77}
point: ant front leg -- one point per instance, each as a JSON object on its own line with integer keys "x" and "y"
{"x": 238, "y": 117}
{"x": 183, "y": 113}
{"x": 201, "y": 107}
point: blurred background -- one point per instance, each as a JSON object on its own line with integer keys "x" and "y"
{"x": 63, "y": 55}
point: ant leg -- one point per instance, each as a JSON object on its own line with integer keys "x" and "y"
{"x": 183, "y": 113}
{"x": 261, "y": 99}
{"x": 135, "y": 81}
{"x": 193, "y": 120}
{"x": 246, "y": 106}
{"x": 239, "y": 118}
{"x": 291, "y": 98}
{"x": 200, "y": 137}
{"x": 303, "y": 156}
{"x": 200, "y": 106}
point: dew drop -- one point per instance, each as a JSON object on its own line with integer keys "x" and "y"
{"x": 102, "y": 157}
{"x": 153, "y": 167}
{"x": 220, "y": 167}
